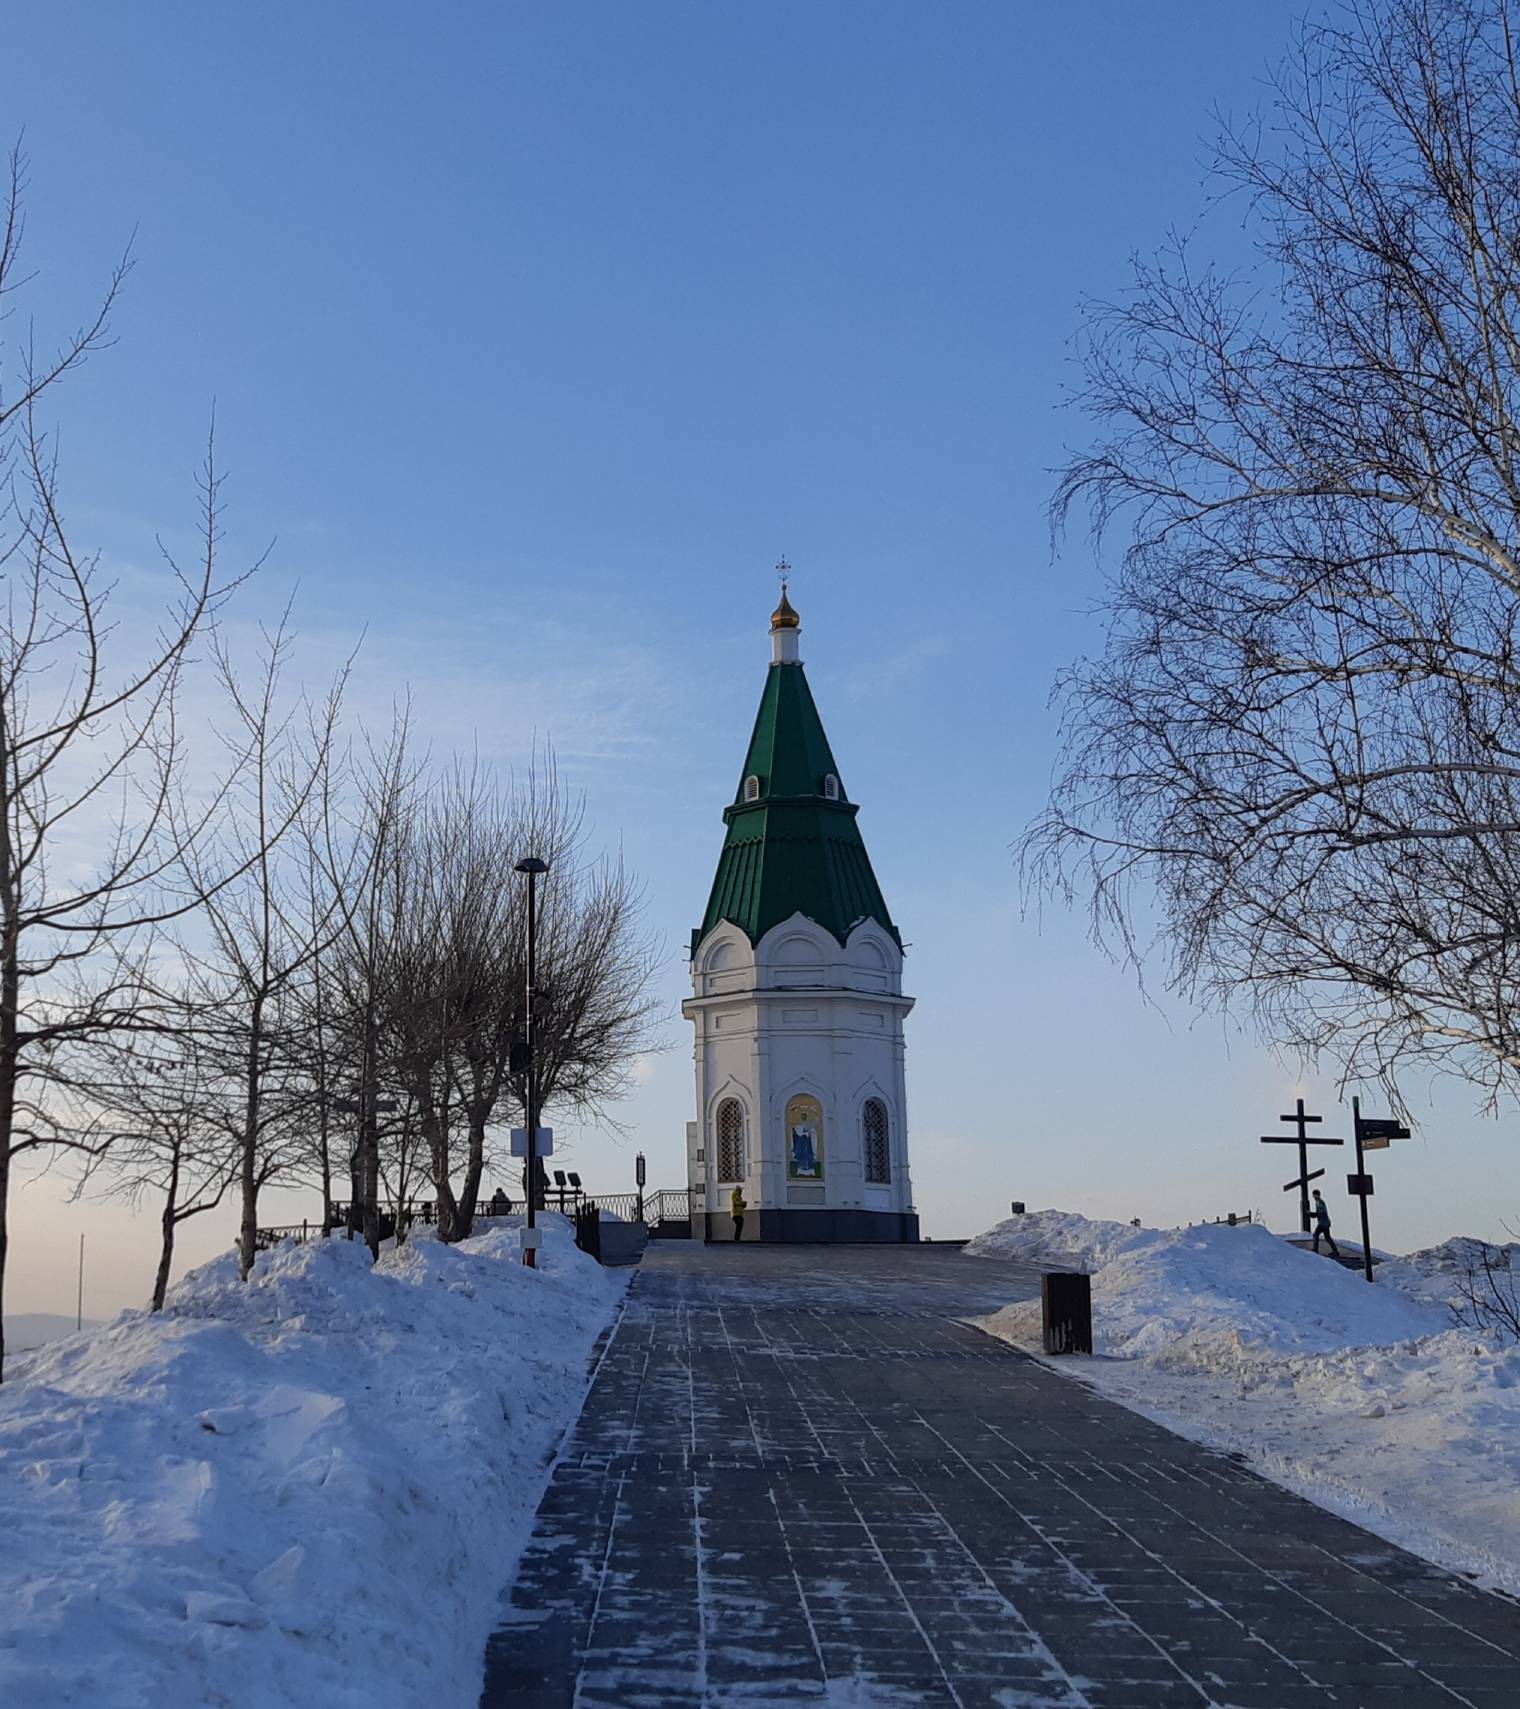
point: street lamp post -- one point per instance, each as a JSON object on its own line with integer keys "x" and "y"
{"x": 533, "y": 867}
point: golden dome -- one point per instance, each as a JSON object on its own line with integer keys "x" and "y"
{"x": 783, "y": 617}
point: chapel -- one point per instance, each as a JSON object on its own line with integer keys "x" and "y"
{"x": 797, "y": 999}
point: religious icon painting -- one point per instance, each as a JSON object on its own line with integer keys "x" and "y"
{"x": 804, "y": 1139}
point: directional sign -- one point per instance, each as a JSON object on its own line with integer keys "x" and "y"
{"x": 1359, "y": 1186}
{"x": 543, "y": 1146}
{"x": 1381, "y": 1127}
{"x": 1376, "y": 1144}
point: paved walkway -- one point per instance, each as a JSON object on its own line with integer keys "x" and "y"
{"x": 798, "y": 1480}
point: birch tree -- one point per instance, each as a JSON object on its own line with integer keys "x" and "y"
{"x": 1298, "y": 752}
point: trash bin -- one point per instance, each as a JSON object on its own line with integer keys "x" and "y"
{"x": 1066, "y": 1306}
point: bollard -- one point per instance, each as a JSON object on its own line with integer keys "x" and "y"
{"x": 1066, "y": 1308}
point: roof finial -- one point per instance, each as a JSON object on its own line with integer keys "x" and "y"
{"x": 783, "y": 617}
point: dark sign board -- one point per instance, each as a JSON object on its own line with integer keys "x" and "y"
{"x": 1380, "y": 1127}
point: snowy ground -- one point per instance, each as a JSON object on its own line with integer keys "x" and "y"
{"x": 308, "y": 1490}
{"x": 1364, "y": 1399}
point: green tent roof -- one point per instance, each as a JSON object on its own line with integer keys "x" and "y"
{"x": 793, "y": 849}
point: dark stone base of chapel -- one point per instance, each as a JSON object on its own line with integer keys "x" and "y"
{"x": 818, "y": 1227}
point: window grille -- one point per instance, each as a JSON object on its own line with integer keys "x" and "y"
{"x": 752, "y": 788}
{"x": 878, "y": 1158}
{"x": 831, "y": 788}
{"x": 730, "y": 1140}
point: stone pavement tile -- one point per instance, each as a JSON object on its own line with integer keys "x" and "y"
{"x": 635, "y": 1691}
{"x": 1465, "y": 1677}
{"x": 1481, "y": 1697}
{"x": 1419, "y": 1695}
{"x": 1273, "y": 1695}
{"x": 794, "y": 1459}
{"x": 1143, "y": 1694}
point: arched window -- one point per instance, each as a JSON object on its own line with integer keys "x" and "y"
{"x": 730, "y": 1140}
{"x": 752, "y": 788}
{"x": 831, "y": 788}
{"x": 873, "y": 1123}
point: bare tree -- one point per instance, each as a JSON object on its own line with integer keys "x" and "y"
{"x": 447, "y": 916}
{"x": 404, "y": 1161}
{"x": 1302, "y": 737}
{"x": 162, "y": 1131}
{"x": 261, "y": 935}
{"x": 455, "y": 976}
{"x": 595, "y": 1013}
{"x": 354, "y": 842}
{"x": 1488, "y": 1289}
{"x": 91, "y": 751}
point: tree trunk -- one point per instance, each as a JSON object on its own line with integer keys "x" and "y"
{"x": 369, "y": 1144}
{"x": 435, "y": 1134}
{"x": 170, "y": 1222}
{"x": 10, "y": 989}
{"x": 371, "y": 1150}
{"x": 469, "y": 1197}
{"x": 326, "y": 1179}
{"x": 324, "y": 1114}
{"x": 248, "y": 1176}
{"x": 355, "y": 1218}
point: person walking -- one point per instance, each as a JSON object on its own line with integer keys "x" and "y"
{"x": 737, "y": 1206}
{"x": 1322, "y": 1225}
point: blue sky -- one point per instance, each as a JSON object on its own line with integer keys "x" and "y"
{"x": 538, "y": 333}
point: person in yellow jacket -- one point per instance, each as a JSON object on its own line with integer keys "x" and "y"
{"x": 736, "y": 1205}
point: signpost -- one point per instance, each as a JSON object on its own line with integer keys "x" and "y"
{"x": 1373, "y": 1133}
{"x": 1302, "y": 1140}
{"x": 532, "y": 869}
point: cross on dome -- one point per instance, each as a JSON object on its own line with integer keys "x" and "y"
{"x": 783, "y": 617}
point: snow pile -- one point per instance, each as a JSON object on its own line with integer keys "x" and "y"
{"x": 1059, "y": 1240}
{"x": 1362, "y": 1398}
{"x": 311, "y": 1489}
{"x": 1435, "y": 1273}
{"x": 1185, "y": 1292}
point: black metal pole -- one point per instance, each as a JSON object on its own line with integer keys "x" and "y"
{"x": 1303, "y": 1168}
{"x": 1361, "y": 1172}
{"x": 530, "y": 1253}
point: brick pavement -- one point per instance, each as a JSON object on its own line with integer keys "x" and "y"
{"x": 797, "y": 1479}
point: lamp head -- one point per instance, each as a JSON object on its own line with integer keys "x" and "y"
{"x": 532, "y": 865}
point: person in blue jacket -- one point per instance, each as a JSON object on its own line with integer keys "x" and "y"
{"x": 1322, "y": 1225}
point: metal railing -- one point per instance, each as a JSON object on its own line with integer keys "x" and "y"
{"x": 264, "y": 1238}
{"x": 666, "y": 1204}
{"x": 588, "y": 1229}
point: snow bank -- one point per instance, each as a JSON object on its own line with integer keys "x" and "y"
{"x": 1183, "y": 1291}
{"x": 311, "y": 1489}
{"x": 1434, "y": 1274}
{"x": 1362, "y": 1398}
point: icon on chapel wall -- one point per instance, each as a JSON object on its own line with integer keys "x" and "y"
{"x": 804, "y": 1140}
